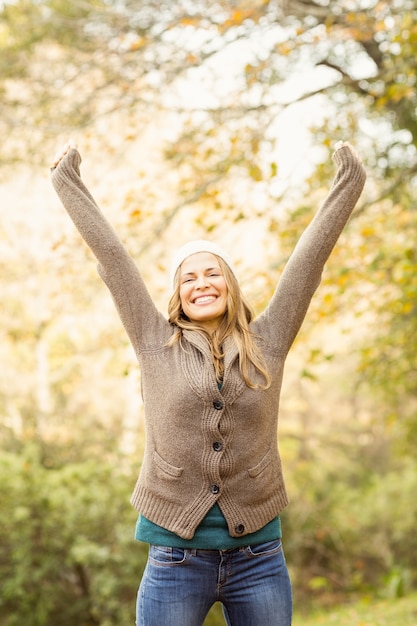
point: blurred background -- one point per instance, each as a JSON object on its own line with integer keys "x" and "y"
{"x": 212, "y": 119}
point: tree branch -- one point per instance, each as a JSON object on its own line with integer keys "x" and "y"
{"x": 346, "y": 78}
{"x": 169, "y": 216}
{"x": 387, "y": 192}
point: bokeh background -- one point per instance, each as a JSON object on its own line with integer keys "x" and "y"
{"x": 207, "y": 119}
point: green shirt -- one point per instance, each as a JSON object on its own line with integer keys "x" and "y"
{"x": 211, "y": 534}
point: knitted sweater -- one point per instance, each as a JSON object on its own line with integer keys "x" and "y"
{"x": 205, "y": 445}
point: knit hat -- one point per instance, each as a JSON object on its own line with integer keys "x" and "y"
{"x": 193, "y": 247}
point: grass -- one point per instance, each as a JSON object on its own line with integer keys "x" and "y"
{"x": 365, "y": 612}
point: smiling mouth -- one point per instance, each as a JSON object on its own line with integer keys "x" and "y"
{"x": 204, "y": 300}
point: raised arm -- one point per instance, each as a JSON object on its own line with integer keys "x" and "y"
{"x": 302, "y": 274}
{"x": 115, "y": 266}
{"x": 82, "y": 208}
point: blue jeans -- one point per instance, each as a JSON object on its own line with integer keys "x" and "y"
{"x": 180, "y": 585}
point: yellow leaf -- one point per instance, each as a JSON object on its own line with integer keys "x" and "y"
{"x": 367, "y": 231}
{"x": 138, "y": 44}
{"x": 189, "y": 21}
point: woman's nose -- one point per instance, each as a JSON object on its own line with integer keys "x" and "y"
{"x": 201, "y": 281}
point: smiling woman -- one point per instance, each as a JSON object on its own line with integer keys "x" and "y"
{"x": 203, "y": 290}
{"x": 211, "y": 486}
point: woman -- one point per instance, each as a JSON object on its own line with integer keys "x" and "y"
{"x": 211, "y": 488}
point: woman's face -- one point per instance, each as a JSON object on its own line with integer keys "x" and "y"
{"x": 203, "y": 290}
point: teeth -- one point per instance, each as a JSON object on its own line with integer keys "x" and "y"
{"x": 204, "y": 299}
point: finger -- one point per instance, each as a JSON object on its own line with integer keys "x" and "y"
{"x": 66, "y": 148}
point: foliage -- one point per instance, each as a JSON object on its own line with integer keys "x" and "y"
{"x": 125, "y": 52}
{"x": 67, "y": 549}
{"x": 389, "y": 357}
{"x": 344, "y": 532}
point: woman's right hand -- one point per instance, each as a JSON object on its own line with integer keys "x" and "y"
{"x": 64, "y": 150}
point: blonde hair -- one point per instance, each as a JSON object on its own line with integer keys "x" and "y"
{"x": 235, "y": 324}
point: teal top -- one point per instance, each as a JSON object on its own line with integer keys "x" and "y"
{"x": 211, "y": 534}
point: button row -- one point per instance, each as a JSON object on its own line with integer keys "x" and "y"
{"x": 239, "y": 528}
{"x": 217, "y": 447}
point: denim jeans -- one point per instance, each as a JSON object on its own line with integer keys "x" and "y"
{"x": 180, "y": 585}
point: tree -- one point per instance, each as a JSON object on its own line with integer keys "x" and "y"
{"x": 357, "y": 62}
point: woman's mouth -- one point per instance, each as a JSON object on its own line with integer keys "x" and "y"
{"x": 204, "y": 300}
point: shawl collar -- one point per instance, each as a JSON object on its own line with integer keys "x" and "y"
{"x": 198, "y": 367}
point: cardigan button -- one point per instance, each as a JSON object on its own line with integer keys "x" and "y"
{"x": 215, "y": 489}
{"x": 218, "y": 405}
{"x": 239, "y": 529}
{"x": 217, "y": 446}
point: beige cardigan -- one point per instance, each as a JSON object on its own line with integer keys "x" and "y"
{"x": 204, "y": 445}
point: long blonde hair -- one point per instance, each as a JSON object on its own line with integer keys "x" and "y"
{"x": 235, "y": 324}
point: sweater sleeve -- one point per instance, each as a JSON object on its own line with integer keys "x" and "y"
{"x": 285, "y": 313}
{"x": 137, "y": 311}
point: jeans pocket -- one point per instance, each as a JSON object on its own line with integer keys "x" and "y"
{"x": 166, "y": 556}
{"x": 264, "y": 549}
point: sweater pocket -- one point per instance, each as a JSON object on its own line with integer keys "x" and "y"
{"x": 262, "y": 465}
{"x": 166, "y": 468}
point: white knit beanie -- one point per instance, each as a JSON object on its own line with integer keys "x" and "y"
{"x": 193, "y": 247}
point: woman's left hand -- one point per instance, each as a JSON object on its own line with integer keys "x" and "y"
{"x": 346, "y": 144}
